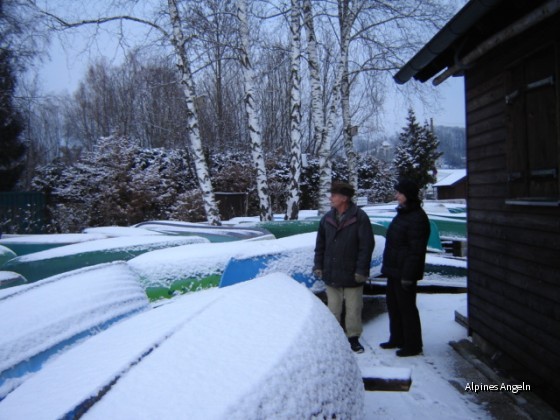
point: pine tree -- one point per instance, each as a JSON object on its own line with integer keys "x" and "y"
{"x": 416, "y": 156}
{"x": 12, "y": 149}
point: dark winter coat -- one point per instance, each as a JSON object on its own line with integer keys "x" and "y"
{"x": 405, "y": 244}
{"x": 344, "y": 248}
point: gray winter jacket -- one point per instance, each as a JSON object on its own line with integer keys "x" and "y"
{"x": 343, "y": 248}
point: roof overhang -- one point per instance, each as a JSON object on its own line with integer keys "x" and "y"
{"x": 477, "y": 21}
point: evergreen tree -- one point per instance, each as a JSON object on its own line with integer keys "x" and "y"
{"x": 12, "y": 149}
{"x": 417, "y": 153}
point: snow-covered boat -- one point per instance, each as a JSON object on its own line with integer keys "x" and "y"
{"x": 253, "y": 351}
{"x": 165, "y": 273}
{"x": 6, "y": 254}
{"x": 212, "y": 233}
{"x": 9, "y": 279}
{"x": 40, "y": 265}
{"x": 291, "y": 255}
{"x": 28, "y": 244}
{"x": 40, "y": 320}
{"x": 284, "y": 228}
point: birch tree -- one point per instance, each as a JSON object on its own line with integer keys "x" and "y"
{"x": 292, "y": 205}
{"x": 187, "y": 82}
{"x": 347, "y": 12}
{"x": 257, "y": 153}
{"x": 373, "y": 37}
{"x": 179, "y": 41}
{"x": 317, "y": 114}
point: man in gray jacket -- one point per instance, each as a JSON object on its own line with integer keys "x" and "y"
{"x": 343, "y": 252}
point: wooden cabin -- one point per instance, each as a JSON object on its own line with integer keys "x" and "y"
{"x": 508, "y": 52}
{"x": 451, "y": 184}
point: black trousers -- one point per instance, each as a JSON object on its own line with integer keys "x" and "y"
{"x": 404, "y": 320}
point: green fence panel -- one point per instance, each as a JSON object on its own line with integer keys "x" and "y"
{"x": 22, "y": 212}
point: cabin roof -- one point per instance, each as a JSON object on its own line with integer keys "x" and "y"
{"x": 449, "y": 177}
{"x": 474, "y": 23}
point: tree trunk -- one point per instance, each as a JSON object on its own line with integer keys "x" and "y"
{"x": 187, "y": 82}
{"x": 346, "y": 17}
{"x": 292, "y": 208}
{"x": 265, "y": 207}
{"x": 320, "y": 135}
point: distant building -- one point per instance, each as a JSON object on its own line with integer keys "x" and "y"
{"x": 508, "y": 52}
{"x": 451, "y": 184}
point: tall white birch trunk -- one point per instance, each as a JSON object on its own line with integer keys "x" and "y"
{"x": 346, "y": 17}
{"x": 187, "y": 82}
{"x": 265, "y": 207}
{"x": 317, "y": 115}
{"x": 292, "y": 208}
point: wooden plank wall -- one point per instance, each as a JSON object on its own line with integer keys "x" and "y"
{"x": 514, "y": 251}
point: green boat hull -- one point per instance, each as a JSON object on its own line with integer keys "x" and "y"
{"x": 284, "y": 228}
{"x": 40, "y": 268}
{"x": 182, "y": 286}
{"x": 6, "y": 254}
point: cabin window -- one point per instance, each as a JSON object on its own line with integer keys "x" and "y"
{"x": 532, "y": 123}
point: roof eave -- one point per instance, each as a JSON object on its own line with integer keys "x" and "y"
{"x": 450, "y": 33}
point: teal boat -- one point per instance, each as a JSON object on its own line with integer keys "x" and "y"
{"x": 6, "y": 254}
{"x": 10, "y": 279}
{"x": 48, "y": 263}
{"x": 450, "y": 226}
{"x": 29, "y": 244}
{"x": 212, "y": 233}
{"x": 434, "y": 241}
{"x": 285, "y": 228}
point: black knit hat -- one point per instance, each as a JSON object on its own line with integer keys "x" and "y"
{"x": 408, "y": 188}
{"x": 342, "y": 188}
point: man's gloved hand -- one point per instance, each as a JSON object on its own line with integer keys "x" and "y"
{"x": 360, "y": 278}
{"x": 318, "y": 273}
{"x": 408, "y": 285}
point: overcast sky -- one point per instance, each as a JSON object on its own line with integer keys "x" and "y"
{"x": 69, "y": 60}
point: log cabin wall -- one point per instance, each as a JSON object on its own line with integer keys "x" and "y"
{"x": 513, "y": 220}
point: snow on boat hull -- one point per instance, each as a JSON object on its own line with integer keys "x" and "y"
{"x": 212, "y": 233}
{"x": 10, "y": 279}
{"x": 295, "y": 260}
{"x": 6, "y": 254}
{"x": 48, "y": 263}
{"x": 29, "y": 244}
{"x": 166, "y": 273}
{"x": 65, "y": 309}
{"x": 182, "y": 286}
{"x": 192, "y": 359}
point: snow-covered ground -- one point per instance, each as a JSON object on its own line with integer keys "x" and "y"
{"x": 266, "y": 348}
{"x": 262, "y": 349}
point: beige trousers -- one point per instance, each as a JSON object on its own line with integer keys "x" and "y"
{"x": 353, "y": 298}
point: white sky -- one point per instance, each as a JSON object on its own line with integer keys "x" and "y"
{"x": 68, "y": 63}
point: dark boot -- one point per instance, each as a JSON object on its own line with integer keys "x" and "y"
{"x": 355, "y": 345}
{"x": 390, "y": 345}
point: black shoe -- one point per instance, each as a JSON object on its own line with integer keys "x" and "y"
{"x": 408, "y": 353}
{"x": 390, "y": 345}
{"x": 355, "y": 345}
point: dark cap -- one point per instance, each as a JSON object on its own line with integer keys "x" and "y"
{"x": 408, "y": 188}
{"x": 342, "y": 188}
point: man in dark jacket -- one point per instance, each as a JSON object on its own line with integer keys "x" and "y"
{"x": 403, "y": 264}
{"x": 342, "y": 259}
